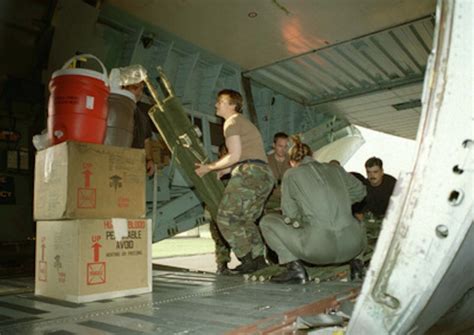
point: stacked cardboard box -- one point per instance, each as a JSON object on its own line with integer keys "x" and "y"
{"x": 92, "y": 239}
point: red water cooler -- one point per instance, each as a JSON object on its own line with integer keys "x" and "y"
{"x": 77, "y": 108}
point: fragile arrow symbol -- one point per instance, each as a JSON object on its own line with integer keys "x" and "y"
{"x": 87, "y": 178}
{"x": 96, "y": 246}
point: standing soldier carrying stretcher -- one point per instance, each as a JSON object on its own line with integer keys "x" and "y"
{"x": 249, "y": 186}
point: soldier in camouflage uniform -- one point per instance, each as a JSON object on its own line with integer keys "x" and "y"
{"x": 242, "y": 205}
{"x": 222, "y": 251}
{"x": 222, "y": 248}
{"x": 249, "y": 186}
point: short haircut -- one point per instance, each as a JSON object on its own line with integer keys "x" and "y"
{"x": 235, "y": 98}
{"x": 374, "y": 161}
{"x": 279, "y": 135}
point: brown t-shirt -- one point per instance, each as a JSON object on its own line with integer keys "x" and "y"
{"x": 250, "y": 138}
{"x": 278, "y": 168}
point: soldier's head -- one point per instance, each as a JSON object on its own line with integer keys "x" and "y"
{"x": 374, "y": 169}
{"x": 298, "y": 151}
{"x": 280, "y": 144}
{"x": 228, "y": 102}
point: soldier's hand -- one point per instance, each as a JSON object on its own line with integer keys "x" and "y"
{"x": 359, "y": 216}
{"x": 201, "y": 169}
{"x": 150, "y": 167}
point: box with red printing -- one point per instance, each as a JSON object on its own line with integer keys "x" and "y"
{"x": 88, "y": 260}
{"x": 76, "y": 180}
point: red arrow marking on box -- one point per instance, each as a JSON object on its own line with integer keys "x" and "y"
{"x": 96, "y": 247}
{"x": 87, "y": 178}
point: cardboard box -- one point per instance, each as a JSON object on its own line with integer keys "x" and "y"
{"x": 89, "y": 260}
{"x": 76, "y": 180}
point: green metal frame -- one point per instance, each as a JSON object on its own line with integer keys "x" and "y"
{"x": 184, "y": 143}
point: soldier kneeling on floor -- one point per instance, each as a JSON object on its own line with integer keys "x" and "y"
{"x": 317, "y": 225}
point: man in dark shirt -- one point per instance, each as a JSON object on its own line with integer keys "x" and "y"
{"x": 379, "y": 188}
{"x": 279, "y": 163}
{"x": 142, "y": 128}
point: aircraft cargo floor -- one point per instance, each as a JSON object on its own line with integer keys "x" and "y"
{"x": 182, "y": 302}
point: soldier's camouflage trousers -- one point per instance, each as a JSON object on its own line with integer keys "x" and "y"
{"x": 241, "y": 205}
{"x": 222, "y": 252}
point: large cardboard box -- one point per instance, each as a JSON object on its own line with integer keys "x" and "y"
{"x": 89, "y": 260}
{"x": 76, "y": 180}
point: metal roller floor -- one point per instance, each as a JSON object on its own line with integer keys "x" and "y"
{"x": 181, "y": 303}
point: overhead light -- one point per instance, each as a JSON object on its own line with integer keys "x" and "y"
{"x": 252, "y": 15}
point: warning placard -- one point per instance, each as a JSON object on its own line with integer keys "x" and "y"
{"x": 7, "y": 190}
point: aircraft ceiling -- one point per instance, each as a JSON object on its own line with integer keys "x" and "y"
{"x": 322, "y": 53}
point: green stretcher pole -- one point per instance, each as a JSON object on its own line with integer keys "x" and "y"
{"x": 183, "y": 141}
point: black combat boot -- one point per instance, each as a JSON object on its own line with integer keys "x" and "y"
{"x": 250, "y": 264}
{"x": 357, "y": 269}
{"x": 222, "y": 269}
{"x": 295, "y": 274}
{"x": 271, "y": 256}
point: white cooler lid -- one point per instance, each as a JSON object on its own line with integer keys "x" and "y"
{"x": 125, "y": 93}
